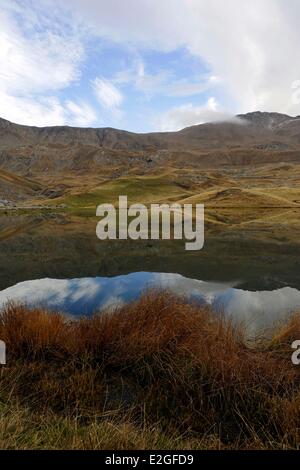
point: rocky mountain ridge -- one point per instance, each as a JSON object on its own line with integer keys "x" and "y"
{"x": 44, "y": 161}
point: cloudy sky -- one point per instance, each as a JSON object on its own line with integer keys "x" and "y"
{"x": 146, "y": 65}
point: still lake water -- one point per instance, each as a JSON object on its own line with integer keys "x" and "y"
{"x": 251, "y": 271}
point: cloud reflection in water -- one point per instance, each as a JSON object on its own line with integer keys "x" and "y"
{"x": 84, "y": 296}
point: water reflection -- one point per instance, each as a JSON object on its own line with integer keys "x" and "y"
{"x": 62, "y": 246}
{"x": 256, "y": 309}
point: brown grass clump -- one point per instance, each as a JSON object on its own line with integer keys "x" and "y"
{"x": 159, "y": 366}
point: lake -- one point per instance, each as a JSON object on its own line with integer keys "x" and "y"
{"x": 248, "y": 268}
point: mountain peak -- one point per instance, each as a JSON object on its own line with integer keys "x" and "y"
{"x": 265, "y": 119}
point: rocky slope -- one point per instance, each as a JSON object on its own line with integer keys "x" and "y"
{"x": 23, "y": 148}
{"x": 46, "y": 157}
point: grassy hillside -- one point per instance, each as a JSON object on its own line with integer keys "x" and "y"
{"x": 144, "y": 189}
{"x": 157, "y": 373}
{"x": 228, "y": 189}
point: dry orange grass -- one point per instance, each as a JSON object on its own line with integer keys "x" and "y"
{"x": 160, "y": 360}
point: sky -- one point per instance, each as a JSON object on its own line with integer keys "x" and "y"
{"x": 147, "y": 65}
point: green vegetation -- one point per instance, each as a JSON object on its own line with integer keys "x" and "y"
{"x": 157, "y": 373}
{"x": 138, "y": 189}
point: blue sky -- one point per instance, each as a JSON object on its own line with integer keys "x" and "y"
{"x": 146, "y": 65}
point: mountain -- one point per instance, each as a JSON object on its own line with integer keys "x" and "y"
{"x": 24, "y": 147}
{"x": 43, "y": 162}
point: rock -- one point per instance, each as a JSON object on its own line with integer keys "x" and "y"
{"x": 4, "y": 202}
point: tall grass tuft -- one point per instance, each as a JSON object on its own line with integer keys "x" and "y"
{"x": 170, "y": 371}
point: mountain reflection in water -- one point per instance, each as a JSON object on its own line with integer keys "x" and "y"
{"x": 256, "y": 309}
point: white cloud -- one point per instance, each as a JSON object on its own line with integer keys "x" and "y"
{"x": 187, "y": 115}
{"x": 45, "y": 111}
{"x": 249, "y": 48}
{"x": 107, "y": 93}
{"x": 147, "y": 83}
{"x": 187, "y": 87}
{"x": 30, "y": 111}
{"x": 35, "y": 63}
{"x": 252, "y": 46}
{"x": 162, "y": 82}
{"x": 212, "y": 104}
{"x": 79, "y": 114}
